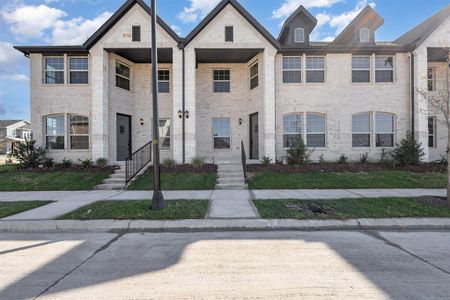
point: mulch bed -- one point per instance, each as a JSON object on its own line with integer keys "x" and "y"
{"x": 433, "y": 201}
{"x": 350, "y": 167}
{"x": 187, "y": 168}
{"x": 73, "y": 168}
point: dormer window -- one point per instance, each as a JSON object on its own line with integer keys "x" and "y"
{"x": 299, "y": 35}
{"x": 364, "y": 35}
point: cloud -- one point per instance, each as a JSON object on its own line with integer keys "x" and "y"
{"x": 16, "y": 77}
{"x": 341, "y": 21}
{"x": 176, "y": 28}
{"x": 8, "y": 55}
{"x": 196, "y": 10}
{"x": 289, "y": 6}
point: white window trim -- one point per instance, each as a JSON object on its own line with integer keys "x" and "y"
{"x": 221, "y": 80}
{"x": 293, "y": 70}
{"x": 434, "y": 135}
{"x": 361, "y": 32}
{"x": 254, "y": 76}
{"x": 369, "y": 69}
{"x": 295, "y": 35}
{"x": 324, "y": 69}
{"x": 69, "y": 146}
{"x": 376, "y": 69}
{"x": 219, "y": 136}
{"x": 306, "y": 129}
{"x": 129, "y": 79}
{"x": 370, "y": 132}
{"x": 56, "y": 135}
{"x": 168, "y": 81}
{"x": 70, "y": 70}
{"x": 394, "y": 129}
{"x": 44, "y": 81}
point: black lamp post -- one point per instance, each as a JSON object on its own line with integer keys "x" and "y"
{"x": 158, "y": 201}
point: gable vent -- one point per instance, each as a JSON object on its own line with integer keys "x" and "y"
{"x": 136, "y": 33}
{"x": 229, "y": 34}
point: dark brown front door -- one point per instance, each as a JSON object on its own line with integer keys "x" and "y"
{"x": 254, "y": 139}
{"x": 123, "y": 137}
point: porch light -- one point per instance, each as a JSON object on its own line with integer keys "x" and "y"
{"x": 180, "y": 114}
{"x": 187, "y": 114}
{"x": 240, "y": 121}
{"x": 142, "y": 122}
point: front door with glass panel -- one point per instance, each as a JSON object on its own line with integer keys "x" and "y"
{"x": 221, "y": 134}
{"x": 123, "y": 137}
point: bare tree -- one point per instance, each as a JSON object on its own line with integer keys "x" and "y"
{"x": 439, "y": 102}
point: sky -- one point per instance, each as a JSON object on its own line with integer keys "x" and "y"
{"x": 71, "y": 22}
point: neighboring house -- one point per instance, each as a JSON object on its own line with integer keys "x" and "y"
{"x": 11, "y": 132}
{"x": 236, "y": 82}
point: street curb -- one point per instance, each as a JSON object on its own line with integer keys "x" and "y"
{"x": 220, "y": 225}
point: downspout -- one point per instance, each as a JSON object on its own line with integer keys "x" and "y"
{"x": 413, "y": 94}
{"x": 183, "y": 108}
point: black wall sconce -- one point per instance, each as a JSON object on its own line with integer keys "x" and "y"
{"x": 180, "y": 114}
{"x": 142, "y": 122}
{"x": 240, "y": 121}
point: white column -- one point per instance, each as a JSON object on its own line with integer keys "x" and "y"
{"x": 190, "y": 75}
{"x": 269, "y": 103}
{"x": 177, "y": 88}
{"x": 100, "y": 104}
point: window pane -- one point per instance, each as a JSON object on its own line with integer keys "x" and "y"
{"x": 315, "y": 123}
{"x": 254, "y": 82}
{"x": 221, "y": 127}
{"x": 299, "y": 35}
{"x": 136, "y": 33}
{"x": 221, "y": 74}
{"x": 430, "y": 80}
{"x": 384, "y": 76}
{"x": 254, "y": 70}
{"x": 292, "y": 124}
{"x": 54, "y": 77}
{"x": 361, "y": 140}
{"x": 361, "y": 62}
{"x": 292, "y": 76}
{"x": 430, "y": 125}
{"x": 55, "y": 142}
{"x": 222, "y": 143}
{"x": 122, "y": 70}
{"x": 221, "y": 87}
{"x": 315, "y": 140}
{"x": 291, "y": 139}
{"x": 359, "y": 76}
{"x": 292, "y": 63}
{"x": 361, "y": 123}
{"x": 79, "y": 63}
{"x": 385, "y": 140}
{"x": 123, "y": 83}
{"x": 55, "y": 125}
{"x": 79, "y": 142}
{"x": 164, "y": 133}
{"x": 79, "y": 77}
{"x": 79, "y": 125}
{"x": 384, "y": 62}
{"x": 364, "y": 35}
{"x": 54, "y": 63}
{"x": 163, "y": 87}
{"x": 164, "y": 75}
{"x": 315, "y": 76}
{"x": 384, "y": 123}
{"x": 229, "y": 34}
{"x": 315, "y": 63}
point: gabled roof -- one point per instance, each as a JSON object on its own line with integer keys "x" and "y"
{"x": 420, "y": 33}
{"x": 263, "y": 31}
{"x": 118, "y": 15}
{"x": 368, "y": 16}
{"x": 300, "y": 10}
{"x": 6, "y": 123}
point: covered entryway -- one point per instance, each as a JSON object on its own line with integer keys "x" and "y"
{"x": 123, "y": 137}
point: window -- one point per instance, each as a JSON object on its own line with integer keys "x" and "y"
{"x": 431, "y": 80}
{"x": 315, "y": 130}
{"x": 163, "y": 81}
{"x": 292, "y": 69}
{"x": 54, "y": 70}
{"x": 78, "y": 70}
{"x": 432, "y": 132}
{"x": 122, "y": 76}
{"x": 292, "y": 129}
{"x": 384, "y": 69}
{"x": 79, "y": 132}
{"x": 221, "y": 133}
{"x": 315, "y": 69}
{"x": 299, "y": 35}
{"x": 254, "y": 76}
{"x": 54, "y": 132}
{"x": 361, "y": 130}
{"x": 164, "y": 133}
{"x": 229, "y": 34}
{"x": 360, "y": 69}
{"x": 364, "y": 35}
{"x": 384, "y": 127}
{"x": 136, "y": 33}
{"x": 221, "y": 81}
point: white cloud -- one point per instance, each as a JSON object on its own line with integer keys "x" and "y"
{"x": 8, "y": 55}
{"x": 328, "y": 39}
{"x": 341, "y": 21}
{"x": 322, "y": 19}
{"x": 31, "y": 21}
{"x": 196, "y": 10}
{"x": 176, "y": 28}
{"x": 289, "y": 6}
{"x": 76, "y": 31}
{"x": 16, "y": 77}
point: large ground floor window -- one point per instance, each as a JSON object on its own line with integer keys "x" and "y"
{"x": 221, "y": 133}
{"x": 383, "y": 131}
{"x": 66, "y": 131}
{"x": 313, "y": 132}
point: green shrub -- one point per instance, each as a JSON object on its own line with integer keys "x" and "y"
{"x": 266, "y": 161}
{"x": 169, "y": 163}
{"x": 363, "y": 158}
{"x": 409, "y": 152}
{"x": 322, "y": 159}
{"x": 198, "y": 162}
{"x": 48, "y": 162}
{"x": 67, "y": 163}
{"x": 386, "y": 157}
{"x": 101, "y": 162}
{"x": 87, "y": 163}
{"x": 28, "y": 154}
{"x": 298, "y": 153}
{"x": 343, "y": 159}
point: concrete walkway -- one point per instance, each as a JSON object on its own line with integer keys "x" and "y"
{"x": 224, "y": 203}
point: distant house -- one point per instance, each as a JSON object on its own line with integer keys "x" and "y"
{"x": 11, "y": 132}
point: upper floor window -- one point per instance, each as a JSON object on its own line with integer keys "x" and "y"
{"x": 299, "y": 35}
{"x": 384, "y": 129}
{"x": 136, "y": 33}
{"x": 122, "y": 76}
{"x": 315, "y": 69}
{"x": 364, "y": 35}
{"x": 229, "y": 34}
{"x": 384, "y": 69}
{"x": 432, "y": 132}
{"x": 79, "y": 132}
{"x": 221, "y": 133}
{"x": 360, "y": 69}
{"x": 163, "y": 81}
{"x": 431, "y": 79}
{"x": 78, "y": 70}
{"x": 164, "y": 133}
{"x": 221, "y": 81}
{"x": 292, "y": 69}
{"x": 54, "y": 70}
{"x": 254, "y": 76}
{"x": 292, "y": 129}
{"x": 361, "y": 130}
{"x": 55, "y": 132}
{"x": 315, "y": 130}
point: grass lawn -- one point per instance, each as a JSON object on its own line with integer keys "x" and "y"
{"x": 12, "y": 179}
{"x": 176, "y": 181}
{"x": 377, "y": 179}
{"x": 134, "y": 209}
{"x": 12, "y": 208}
{"x": 350, "y": 209}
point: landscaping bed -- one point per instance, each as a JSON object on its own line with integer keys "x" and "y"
{"x": 179, "y": 177}
{"x": 12, "y": 208}
{"x": 349, "y": 208}
{"x": 133, "y": 209}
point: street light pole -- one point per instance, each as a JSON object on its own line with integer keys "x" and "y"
{"x": 158, "y": 201}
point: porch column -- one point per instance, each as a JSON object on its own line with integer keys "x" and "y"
{"x": 100, "y": 102}
{"x": 420, "y": 104}
{"x": 191, "y": 79}
{"x": 177, "y": 88}
{"x": 269, "y": 103}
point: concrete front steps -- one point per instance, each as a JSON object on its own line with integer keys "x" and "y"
{"x": 230, "y": 177}
{"x": 115, "y": 181}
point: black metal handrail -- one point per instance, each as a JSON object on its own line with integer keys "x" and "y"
{"x": 244, "y": 161}
{"x": 137, "y": 161}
